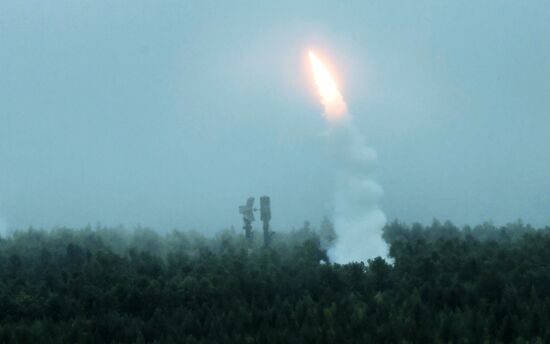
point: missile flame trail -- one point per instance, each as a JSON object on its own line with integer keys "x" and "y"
{"x": 331, "y": 98}
{"x": 358, "y": 219}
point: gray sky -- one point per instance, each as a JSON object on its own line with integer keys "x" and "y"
{"x": 170, "y": 113}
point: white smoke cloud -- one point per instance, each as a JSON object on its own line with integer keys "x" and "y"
{"x": 358, "y": 220}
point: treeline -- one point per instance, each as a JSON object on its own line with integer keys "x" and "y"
{"x": 442, "y": 284}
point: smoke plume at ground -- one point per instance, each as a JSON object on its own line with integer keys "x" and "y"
{"x": 358, "y": 220}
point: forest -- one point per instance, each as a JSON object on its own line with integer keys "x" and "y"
{"x": 440, "y": 284}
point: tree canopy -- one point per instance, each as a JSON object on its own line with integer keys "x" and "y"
{"x": 441, "y": 284}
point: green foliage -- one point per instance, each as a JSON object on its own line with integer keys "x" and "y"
{"x": 445, "y": 285}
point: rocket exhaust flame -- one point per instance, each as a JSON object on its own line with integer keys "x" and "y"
{"x": 331, "y": 98}
{"x": 358, "y": 219}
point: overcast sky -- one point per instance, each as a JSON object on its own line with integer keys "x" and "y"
{"x": 170, "y": 113}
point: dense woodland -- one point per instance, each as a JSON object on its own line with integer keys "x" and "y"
{"x": 442, "y": 284}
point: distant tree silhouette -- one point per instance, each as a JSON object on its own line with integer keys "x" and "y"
{"x": 445, "y": 285}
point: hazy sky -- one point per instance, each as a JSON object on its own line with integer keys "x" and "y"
{"x": 170, "y": 113}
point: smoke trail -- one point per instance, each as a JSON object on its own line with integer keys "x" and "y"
{"x": 358, "y": 219}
